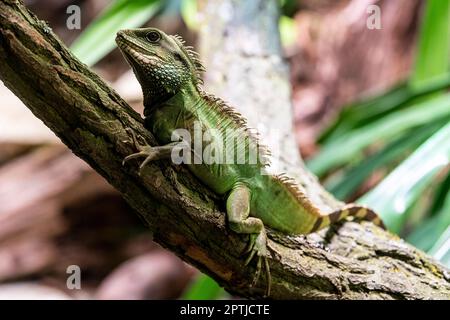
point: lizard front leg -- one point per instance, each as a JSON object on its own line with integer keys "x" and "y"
{"x": 238, "y": 211}
{"x": 151, "y": 153}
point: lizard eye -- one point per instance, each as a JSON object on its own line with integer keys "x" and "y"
{"x": 153, "y": 36}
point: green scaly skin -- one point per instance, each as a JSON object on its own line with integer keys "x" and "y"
{"x": 170, "y": 76}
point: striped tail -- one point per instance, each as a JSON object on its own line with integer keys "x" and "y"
{"x": 358, "y": 213}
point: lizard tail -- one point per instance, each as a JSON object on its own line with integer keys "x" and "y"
{"x": 358, "y": 212}
{"x": 308, "y": 217}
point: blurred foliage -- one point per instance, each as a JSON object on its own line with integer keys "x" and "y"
{"x": 189, "y": 12}
{"x": 434, "y": 46}
{"x": 399, "y": 191}
{"x": 404, "y": 132}
{"x": 97, "y": 39}
{"x": 289, "y": 8}
{"x": 204, "y": 288}
{"x": 288, "y": 31}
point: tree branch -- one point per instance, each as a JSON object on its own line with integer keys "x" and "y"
{"x": 92, "y": 120}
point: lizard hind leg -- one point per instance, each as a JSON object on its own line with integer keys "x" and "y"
{"x": 238, "y": 211}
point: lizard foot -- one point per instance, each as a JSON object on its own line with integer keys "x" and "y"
{"x": 258, "y": 246}
{"x": 149, "y": 153}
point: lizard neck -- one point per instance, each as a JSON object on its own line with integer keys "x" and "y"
{"x": 154, "y": 97}
{"x": 188, "y": 97}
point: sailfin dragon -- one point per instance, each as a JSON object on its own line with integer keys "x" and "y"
{"x": 170, "y": 76}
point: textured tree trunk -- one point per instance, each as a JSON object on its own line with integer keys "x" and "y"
{"x": 361, "y": 261}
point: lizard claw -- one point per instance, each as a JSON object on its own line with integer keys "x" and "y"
{"x": 250, "y": 245}
{"x": 134, "y": 139}
{"x": 136, "y": 146}
{"x": 148, "y": 152}
{"x": 258, "y": 247}
{"x": 144, "y": 151}
{"x": 132, "y": 156}
{"x": 258, "y": 273}
{"x": 250, "y": 257}
{"x": 268, "y": 276}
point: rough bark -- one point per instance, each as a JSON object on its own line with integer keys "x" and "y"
{"x": 362, "y": 261}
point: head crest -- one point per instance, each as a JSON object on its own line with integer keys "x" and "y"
{"x": 193, "y": 57}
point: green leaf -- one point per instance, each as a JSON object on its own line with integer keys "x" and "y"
{"x": 357, "y": 112}
{"x": 203, "y": 288}
{"x": 427, "y": 234}
{"x": 98, "y": 38}
{"x": 361, "y": 113}
{"x": 441, "y": 195}
{"x": 352, "y": 178}
{"x": 395, "y": 194}
{"x": 348, "y": 146}
{"x": 441, "y": 250}
{"x": 434, "y": 44}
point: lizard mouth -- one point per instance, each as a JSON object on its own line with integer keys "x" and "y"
{"x": 135, "y": 52}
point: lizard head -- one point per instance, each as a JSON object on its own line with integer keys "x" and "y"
{"x": 161, "y": 62}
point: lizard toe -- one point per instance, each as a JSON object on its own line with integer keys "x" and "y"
{"x": 133, "y": 156}
{"x": 268, "y": 276}
{"x": 257, "y": 272}
{"x": 250, "y": 244}
{"x": 250, "y": 256}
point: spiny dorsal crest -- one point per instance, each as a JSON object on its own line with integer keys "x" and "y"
{"x": 293, "y": 187}
{"x": 193, "y": 57}
{"x": 221, "y": 105}
{"x": 241, "y": 124}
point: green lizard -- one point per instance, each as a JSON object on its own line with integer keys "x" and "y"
{"x": 170, "y": 76}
